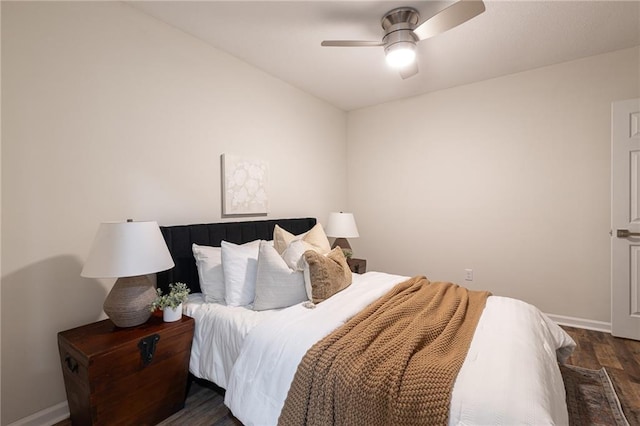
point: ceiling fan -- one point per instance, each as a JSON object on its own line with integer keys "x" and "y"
{"x": 402, "y": 32}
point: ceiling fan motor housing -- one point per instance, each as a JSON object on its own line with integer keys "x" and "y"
{"x": 398, "y": 25}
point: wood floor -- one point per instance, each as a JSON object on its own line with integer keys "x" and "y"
{"x": 621, "y": 358}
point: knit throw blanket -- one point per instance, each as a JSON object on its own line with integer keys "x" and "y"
{"x": 392, "y": 364}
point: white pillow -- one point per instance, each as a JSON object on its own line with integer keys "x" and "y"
{"x": 315, "y": 237}
{"x": 277, "y": 286}
{"x": 294, "y": 252}
{"x": 239, "y": 266}
{"x": 209, "y": 264}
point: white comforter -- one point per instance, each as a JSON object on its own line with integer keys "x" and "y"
{"x": 218, "y": 336}
{"x": 510, "y": 375}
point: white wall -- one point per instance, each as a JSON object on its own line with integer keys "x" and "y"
{"x": 0, "y": 215}
{"x": 509, "y": 177}
{"x": 109, "y": 114}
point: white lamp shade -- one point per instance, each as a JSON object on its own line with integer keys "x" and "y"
{"x": 341, "y": 225}
{"x": 127, "y": 249}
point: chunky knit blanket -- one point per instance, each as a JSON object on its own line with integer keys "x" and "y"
{"x": 392, "y": 364}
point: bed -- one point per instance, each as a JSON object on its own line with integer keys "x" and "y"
{"x": 509, "y": 375}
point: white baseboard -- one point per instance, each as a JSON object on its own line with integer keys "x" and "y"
{"x": 602, "y": 326}
{"x": 46, "y": 417}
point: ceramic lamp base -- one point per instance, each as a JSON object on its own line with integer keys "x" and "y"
{"x": 342, "y": 243}
{"x": 128, "y": 302}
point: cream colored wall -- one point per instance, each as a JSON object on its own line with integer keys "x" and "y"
{"x": 109, "y": 114}
{"x": 509, "y": 177}
{"x": 0, "y": 213}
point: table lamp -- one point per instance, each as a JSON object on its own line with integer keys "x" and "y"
{"x": 128, "y": 251}
{"x": 342, "y": 226}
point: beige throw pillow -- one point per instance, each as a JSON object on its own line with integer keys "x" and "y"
{"x": 325, "y": 275}
{"x": 315, "y": 238}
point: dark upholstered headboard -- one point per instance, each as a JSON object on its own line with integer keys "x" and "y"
{"x": 180, "y": 238}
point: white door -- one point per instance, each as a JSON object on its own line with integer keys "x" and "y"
{"x": 625, "y": 219}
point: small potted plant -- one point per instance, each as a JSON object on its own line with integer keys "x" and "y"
{"x": 171, "y": 304}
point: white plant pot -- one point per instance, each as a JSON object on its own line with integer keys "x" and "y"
{"x": 171, "y": 314}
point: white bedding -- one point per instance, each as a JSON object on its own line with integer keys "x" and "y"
{"x": 218, "y": 336}
{"x": 510, "y": 375}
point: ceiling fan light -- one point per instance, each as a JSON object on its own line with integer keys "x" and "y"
{"x": 400, "y": 55}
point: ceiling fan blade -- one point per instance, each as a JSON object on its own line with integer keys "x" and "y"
{"x": 350, "y": 43}
{"x": 409, "y": 71}
{"x": 448, "y": 18}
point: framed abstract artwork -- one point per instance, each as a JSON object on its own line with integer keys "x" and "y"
{"x": 244, "y": 186}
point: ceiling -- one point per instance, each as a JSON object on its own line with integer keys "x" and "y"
{"x": 283, "y": 39}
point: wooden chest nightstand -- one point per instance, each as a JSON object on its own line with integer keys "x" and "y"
{"x": 359, "y": 266}
{"x": 130, "y": 376}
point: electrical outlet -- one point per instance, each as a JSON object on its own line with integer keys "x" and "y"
{"x": 468, "y": 274}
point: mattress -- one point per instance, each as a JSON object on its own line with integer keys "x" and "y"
{"x": 510, "y": 375}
